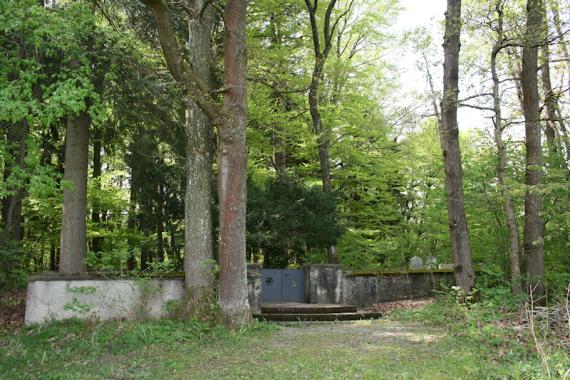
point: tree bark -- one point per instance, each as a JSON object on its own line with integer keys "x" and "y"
{"x": 233, "y": 301}
{"x": 159, "y": 220}
{"x": 231, "y": 122}
{"x": 553, "y": 137}
{"x": 561, "y": 40}
{"x": 460, "y": 247}
{"x": 512, "y": 230}
{"x": 323, "y": 134}
{"x": 74, "y": 225}
{"x": 198, "y": 246}
{"x": 533, "y": 228}
{"x": 97, "y": 242}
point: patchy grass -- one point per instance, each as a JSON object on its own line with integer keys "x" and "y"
{"x": 384, "y": 349}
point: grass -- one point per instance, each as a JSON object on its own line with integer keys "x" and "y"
{"x": 384, "y": 349}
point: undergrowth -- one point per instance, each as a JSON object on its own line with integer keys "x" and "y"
{"x": 495, "y": 319}
{"x": 58, "y": 347}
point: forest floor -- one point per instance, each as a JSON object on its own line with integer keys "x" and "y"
{"x": 395, "y": 347}
{"x": 364, "y": 349}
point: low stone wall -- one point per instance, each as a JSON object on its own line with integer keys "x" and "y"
{"x": 330, "y": 284}
{"x": 54, "y": 296}
{"x": 366, "y": 290}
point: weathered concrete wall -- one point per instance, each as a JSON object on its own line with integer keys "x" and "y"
{"x": 85, "y": 296}
{"x": 329, "y": 284}
{"x": 254, "y": 287}
{"x": 367, "y": 290}
{"x": 100, "y": 299}
{"x": 323, "y": 283}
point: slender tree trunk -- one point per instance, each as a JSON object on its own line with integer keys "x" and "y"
{"x": 198, "y": 246}
{"x": 513, "y": 234}
{"x": 233, "y": 301}
{"x": 132, "y": 218}
{"x": 553, "y": 138}
{"x": 323, "y": 139}
{"x": 97, "y": 242}
{"x": 16, "y": 135}
{"x": 533, "y": 228}
{"x": 561, "y": 40}
{"x": 460, "y": 247}
{"x": 159, "y": 219}
{"x": 323, "y": 134}
{"x": 74, "y": 225}
{"x": 52, "y": 256}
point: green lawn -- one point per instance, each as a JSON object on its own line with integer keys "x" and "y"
{"x": 383, "y": 349}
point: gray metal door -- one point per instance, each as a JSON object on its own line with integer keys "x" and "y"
{"x": 271, "y": 285}
{"x": 293, "y": 286}
{"x": 282, "y": 285}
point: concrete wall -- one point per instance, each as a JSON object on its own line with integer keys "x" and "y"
{"x": 366, "y": 290}
{"x": 323, "y": 283}
{"x": 329, "y": 284}
{"x": 100, "y": 299}
{"x": 57, "y": 297}
{"x": 254, "y": 287}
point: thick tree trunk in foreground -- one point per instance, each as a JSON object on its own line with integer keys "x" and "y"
{"x": 231, "y": 122}
{"x": 233, "y": 301}
{"x": 533, "y": 227}
{"x": 74, "y": 223}
{"x": 16, "y": 135}
{"x": 513, "y": 234}
{"x": 198, "y": 248}
{"x": 460, "y": 247}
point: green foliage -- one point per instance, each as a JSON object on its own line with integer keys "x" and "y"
{"x": 13, "y": 273}
{"x": 288, "y": 219}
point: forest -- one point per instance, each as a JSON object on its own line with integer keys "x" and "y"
{"x": 194, "y": 136}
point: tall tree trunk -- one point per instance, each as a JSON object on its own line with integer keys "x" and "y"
{"x": 323, "y": 139}
{"x": 159, "y": 219}
{"x": 74, "y": 225}
{"x": 97, "y": 242}
{"x": 198, "y": 246}
{"x": 52, "y": 256}
{"x": 533, "y": 227}
{"x": 231, "y": 121}
{"x": 513, "y": 234}
{"x": 460, "y": 247}
{"x": 561, "y": 40}
{"x": 16, "y": 135}
{"x": 131, "y": 224}
{"x": 553, "y": 138}
{"x": 323, "y": 134}
{"x": 233, "y": 301}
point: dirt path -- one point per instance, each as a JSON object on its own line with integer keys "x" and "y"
{"x": 349, "y": 350}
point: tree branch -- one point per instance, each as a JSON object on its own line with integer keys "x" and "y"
{"x": 180, "y": 70}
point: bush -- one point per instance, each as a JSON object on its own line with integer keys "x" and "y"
{"x": 12, "y": 274}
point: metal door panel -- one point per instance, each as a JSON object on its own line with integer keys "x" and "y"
{"x": 293, "y": 286}
{"x": 271, "y": 285}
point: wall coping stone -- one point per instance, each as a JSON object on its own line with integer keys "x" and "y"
{"x": 104, "y": 276}
{"x": 335, "y": 266}
{"x": 396, "y": 272}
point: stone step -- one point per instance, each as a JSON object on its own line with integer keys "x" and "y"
{"x": 293, "y": 308}
{"x": 317, "y": 317}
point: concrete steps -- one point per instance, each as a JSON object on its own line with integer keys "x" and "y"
{"x": 286, "y": 312}
{"x": 317, "y": 317}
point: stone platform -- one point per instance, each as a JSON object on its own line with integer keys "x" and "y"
{"x": 283, "y": 312}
